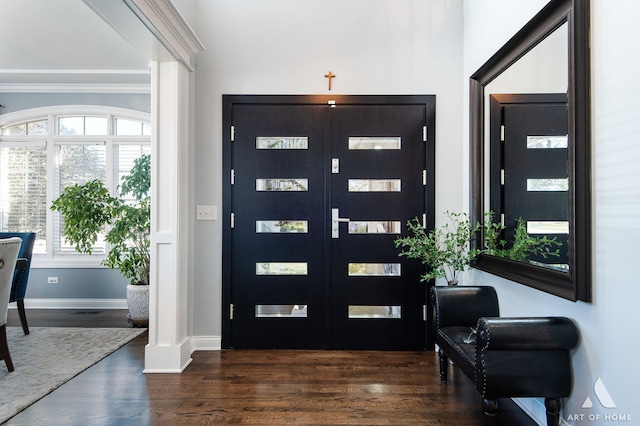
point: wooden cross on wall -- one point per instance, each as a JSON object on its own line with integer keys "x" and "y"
{"x": 329, "y": 75}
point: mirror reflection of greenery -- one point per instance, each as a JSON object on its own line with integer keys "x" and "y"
{"x": 447, "y": 251}
{"x": 522, "y": 247}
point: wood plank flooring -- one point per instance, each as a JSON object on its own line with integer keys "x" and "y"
{"x": 108, "y": 318}
{"x": 279, "y": 387}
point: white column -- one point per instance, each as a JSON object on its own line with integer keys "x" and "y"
{"x": 169, "y": 347}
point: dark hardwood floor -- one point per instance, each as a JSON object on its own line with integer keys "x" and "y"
{"x": 107, "y": 318}
{"x": 280, "y": 387}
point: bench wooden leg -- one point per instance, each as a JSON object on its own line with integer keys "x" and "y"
{"x": 490, "y": 407}
{"x": 553, "y": 406}
{"x": 444, "y": 365}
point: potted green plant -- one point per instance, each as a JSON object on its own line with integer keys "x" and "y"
{"x": 89, "y": 210}
{"x": 446, "y": 251}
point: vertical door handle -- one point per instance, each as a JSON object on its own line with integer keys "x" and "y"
{"x": 335, "y": 222}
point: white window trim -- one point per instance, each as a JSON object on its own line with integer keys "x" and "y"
{"x": 45, "y": 112}
{"x": 71, "y": 260}
{"x": 62, "y": 262}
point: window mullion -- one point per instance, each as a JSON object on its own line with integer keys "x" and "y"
{"x": 52, "y": 238}
{"x": 109, "y": 175}
{"x": 53, "y": 125}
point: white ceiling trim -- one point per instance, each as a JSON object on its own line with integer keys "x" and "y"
{"x": 156, "y": 28}
{"x": 74, "y": 88}
{"x": 73, "y": 71}
{"x": 166, "y": 22}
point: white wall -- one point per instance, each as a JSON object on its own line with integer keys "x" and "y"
{"x": 415, "y": 46}
{"x": 286, "y": 47}
{"x": 609, "y": 345}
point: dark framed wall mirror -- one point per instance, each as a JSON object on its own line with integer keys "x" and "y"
{"x": 530, "y": 148}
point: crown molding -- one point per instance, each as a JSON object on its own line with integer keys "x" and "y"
{"x": 168, "y": 25}
{"x": 74, "y": 71}
{"x": 164, "y": 34}
{"x": 74, "y": 88}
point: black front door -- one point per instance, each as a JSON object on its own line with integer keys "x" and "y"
{"x": 317, "y": 193}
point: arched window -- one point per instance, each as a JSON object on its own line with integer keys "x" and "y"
{"x": 43, "y": 150}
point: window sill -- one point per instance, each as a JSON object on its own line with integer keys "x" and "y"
{"x": 66, "y": 263}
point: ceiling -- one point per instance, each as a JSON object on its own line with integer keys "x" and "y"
{"x": 64, "y": 42}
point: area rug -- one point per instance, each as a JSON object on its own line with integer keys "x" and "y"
{"x": 48, "y": 357}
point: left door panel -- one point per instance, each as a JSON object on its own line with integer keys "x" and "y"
{"x": 278, "y": 205}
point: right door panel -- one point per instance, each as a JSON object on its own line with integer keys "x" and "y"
{"x": 376, "y": 300}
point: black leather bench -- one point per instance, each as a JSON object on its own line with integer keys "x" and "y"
{"x": 503, "y": 357}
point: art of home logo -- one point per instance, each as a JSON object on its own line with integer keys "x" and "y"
{"x": 604, "y": 400}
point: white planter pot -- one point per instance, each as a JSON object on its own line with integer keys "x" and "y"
{"x": 138, "y": 303}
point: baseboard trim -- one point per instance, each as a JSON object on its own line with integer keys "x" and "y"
{"x": 167, "y": 359}
{"x": 206, "y": 343}
{"x": 73, "y": 304}
{"x": 534, "y": 408}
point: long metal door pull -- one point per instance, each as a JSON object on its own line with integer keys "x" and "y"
{"x": 335, "y": 222}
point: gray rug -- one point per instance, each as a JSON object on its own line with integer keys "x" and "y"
{"x": 49, "y": 357}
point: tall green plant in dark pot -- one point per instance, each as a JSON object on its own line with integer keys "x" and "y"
{"x": 89, "y": 211}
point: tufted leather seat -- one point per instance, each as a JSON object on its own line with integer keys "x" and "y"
{"x": 503, "y": 357}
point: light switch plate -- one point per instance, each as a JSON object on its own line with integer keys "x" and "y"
{"x": 206, "y": 213}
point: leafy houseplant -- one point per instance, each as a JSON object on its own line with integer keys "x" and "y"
{"x": 88, "y": 210}
{"x": 445, "y": 251}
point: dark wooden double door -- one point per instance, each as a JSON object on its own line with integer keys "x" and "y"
{"x": 317, "y": 191}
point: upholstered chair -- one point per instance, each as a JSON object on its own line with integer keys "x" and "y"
{"x": 21, "y": 275}
{"x": 9, "y": 248}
